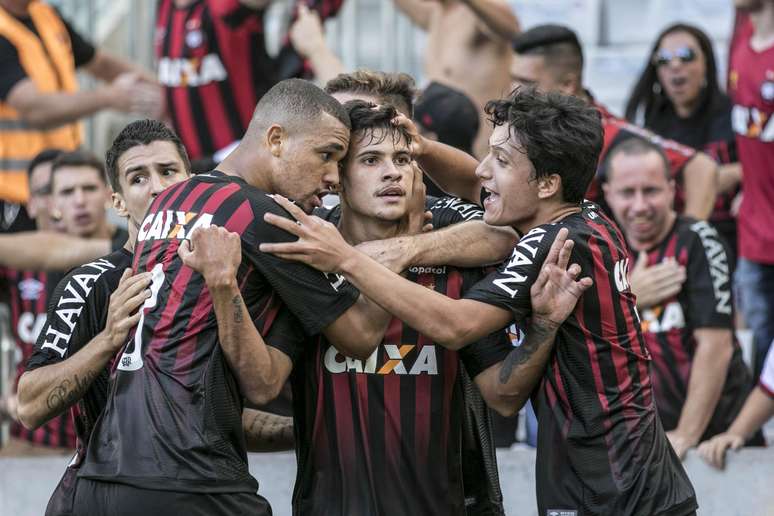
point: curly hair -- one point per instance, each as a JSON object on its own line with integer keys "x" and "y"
{"x": 559, "y": 134}
{"x": 375, "y": 122}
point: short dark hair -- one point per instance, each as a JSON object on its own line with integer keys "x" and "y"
{"x": 295, "y": 103}
{"x": 560, "y": 134}
{"x": 397, "y": 89}
{"x": 44, "y": 156}
{"x": 78, "y": 158}
{"x": 633, "y": 146}
{"x": 559, "y": 45}
{"x": 140, "y": 132}
{"x": 368, "y": 119}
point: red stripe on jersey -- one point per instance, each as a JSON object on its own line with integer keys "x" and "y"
{"x": 562, "y": 392}
{"x": 345, "y": 429}
{"x": 392, "y": 419}
{"x": 162, "y": 19}
{"x": 321, "y": 452}
{"x": 235, "y": 54}
{"x": 422, "y": 396}
{"x": 451, "y": 365}
{"x": 361, "y": 384}
{"x": 241, "y": 218}
{"x": 186, "y": 127}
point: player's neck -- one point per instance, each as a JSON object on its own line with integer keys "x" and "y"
{"x": 763, "y": 22}
{"x": 357, "y": 229}
{"x": 132, "y": 230}
{"x": 240, "y": 164}
{"x": 547, "y": 215}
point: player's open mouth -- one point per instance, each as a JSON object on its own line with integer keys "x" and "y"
{"x": 391, "y": 191}
{"x": 491, "y": 197}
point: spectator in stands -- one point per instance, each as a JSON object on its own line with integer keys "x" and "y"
{"x": 678, "y": 97}
{"x": 40, "y": 104}
{"x": 308, "y": 39}
{"x": 757, "y": 410}
{"x": 468, "y": 49}
{"x": 39, "y": 206}
{"x": 699, "y": 378}
{"x": 751, "y": 87}
{"x": 448, "y": 116}
{"x": 550, "y": 57}
{"x": 79, "y": 189}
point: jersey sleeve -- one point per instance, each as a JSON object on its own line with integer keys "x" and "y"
{"x": 286, "y": 335}
{"x": 708, "y": 282}
{"x": 483, "y": 354}
{"x": 315, "y": 298}
{"x": 508, "y": 287}
{"x": 451, "y": 210}
{"x": 72, "y": 319}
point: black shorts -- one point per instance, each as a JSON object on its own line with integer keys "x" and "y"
{"x": 61, "y": 501}
{"x": 94, "y": 498}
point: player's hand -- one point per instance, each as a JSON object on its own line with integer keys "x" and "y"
{"x": 306, "y": 34}
{"x": 556, "y": 290}
{"x": 654, "y": 284}
{"x": 418, "y": 144}
{"x": 215, "y": 253}
{"x": 123, "y": 307}
{"x": 319, "y": 243}
{"x": 680, "y": 444}
{"x": 131, "y": 94}
{"x": 416, "y": 218}
{"x": 713, "y": 451}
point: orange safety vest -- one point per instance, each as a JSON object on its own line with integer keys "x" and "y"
{"x": 49, "y": 63}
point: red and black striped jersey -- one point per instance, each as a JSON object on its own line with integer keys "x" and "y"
{"x": 173, "y": 416}
{"x": 387, "y": 433}
{"x": 213, "y": 65}
{"x": 28, "y": 293}
{"x": 601, "y": 446}
{"x": 705, "y": 301}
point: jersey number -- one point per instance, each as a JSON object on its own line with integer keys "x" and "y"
{"x": 133, "y": 361}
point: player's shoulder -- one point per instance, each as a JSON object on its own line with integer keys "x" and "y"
{"x": 460, "y": 208}
{"x": 101, "y": 274}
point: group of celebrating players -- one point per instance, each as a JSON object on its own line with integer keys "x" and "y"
{"x": 391, "y": 336}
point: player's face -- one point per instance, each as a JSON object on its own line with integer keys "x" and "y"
{"x": 377, "y": 179}
{"x": 80, "y": 194}
{"x": 681, "y": 68}
{"x": 531, "y": 70}
{"x": 308, "y": 167}
{"x": 640, "y": 196}
{"x": 40, "y": 205}
{"x": 506, "y": 174}
{"x": 144, "y": 172}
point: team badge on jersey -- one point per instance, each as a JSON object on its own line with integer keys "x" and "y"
{"x": 30, "y": 289}
{"x": 194, "y": 37}
{"x": 767, "y": 91}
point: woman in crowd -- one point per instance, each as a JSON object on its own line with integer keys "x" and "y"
{"x": 678, "y": 97}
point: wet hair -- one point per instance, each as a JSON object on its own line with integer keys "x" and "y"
{"x": 78, "y": 158}
{"x": 648, "y": 101}
{"x": 295, "y": 104}
{"x": 140, "y": 132}
{"x": 633, "y": 146}
{"x": 375, "y": 122}
{"x": 44, "y": 156}
{"x": 560, "y": 134}
{"x": 557, "y": 44}
{"x": 396, "y": 89}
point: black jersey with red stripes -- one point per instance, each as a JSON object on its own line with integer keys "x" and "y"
{"x": 705, "y": 301}
{"x": 173, "y": 416}
{"x": 601, "y": 446}
{"x": 27, "y": 294}
{"x": 389, "y": 433}
{"x": 213, "y": 65}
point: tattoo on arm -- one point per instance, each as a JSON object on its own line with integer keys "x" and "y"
{"x": 236, "y": 303}
{"x": 538, "y": 335}
{"x": 69, "y": 391}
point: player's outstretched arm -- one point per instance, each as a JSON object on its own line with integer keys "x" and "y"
{"x": 714, "y": 348}
{"x": 49, "y": 250}
{"x": 496, "y": 16}
{"x": 260, "y": 370}
{"x": 49, "y": 390}
{"x": 453, "y": 170}
{"x": 266, "y": 432}
{"x": 449, "y": 322}
{"x": 507, "y": 386}
{"x": 758, "y": 409}
{"x": 701, "y": 186}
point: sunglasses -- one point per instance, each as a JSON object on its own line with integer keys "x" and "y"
{"x": 664, "y": 57}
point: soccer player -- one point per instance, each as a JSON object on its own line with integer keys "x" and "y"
{"x": 601, "y": 447}
{"x": 79, "y": 190}
{"x": 95, "y": 306}
{"x": 700, "y": 381}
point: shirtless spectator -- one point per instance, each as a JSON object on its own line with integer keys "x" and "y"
{"x": 468, "y": 48}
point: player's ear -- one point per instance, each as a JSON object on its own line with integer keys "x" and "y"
{"x": 119, "y": 204}
{"x": 549, "y": 186}
{"x": 275, "y": 138}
